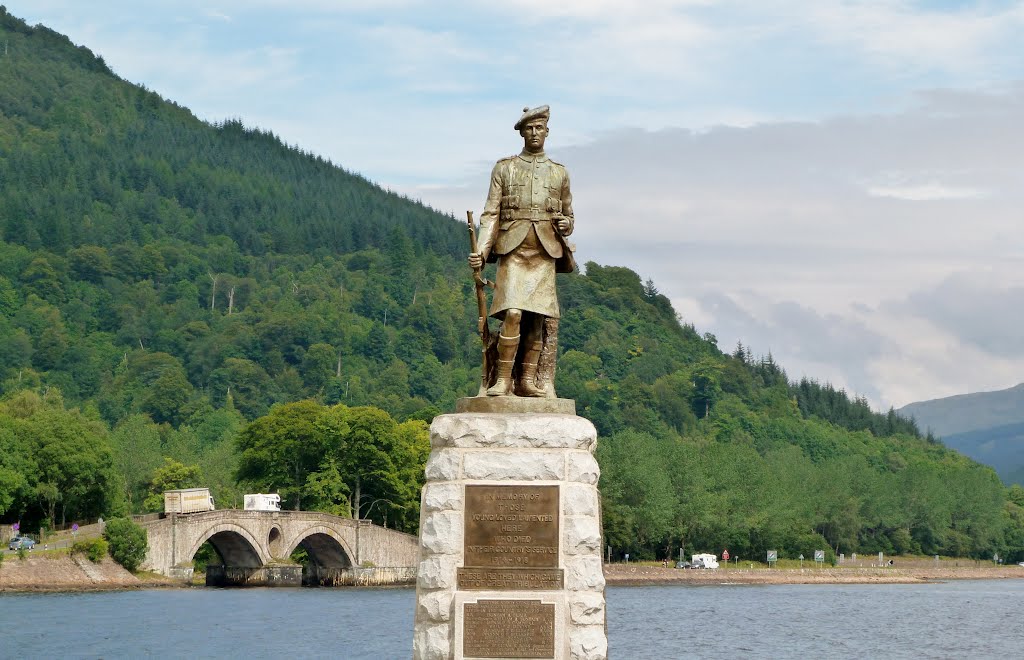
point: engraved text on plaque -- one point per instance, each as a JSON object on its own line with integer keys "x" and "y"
{"x": 512, "y": 532}
{"x": 509, "y": 629}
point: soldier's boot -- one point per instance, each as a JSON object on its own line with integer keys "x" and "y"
{"x": 506, "y": 359}
{"x": 528, "y": 379}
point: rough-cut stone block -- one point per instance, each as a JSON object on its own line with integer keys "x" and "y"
{"x": 500, "y": 448}
{"x": 588, "y": 643}
{"x": 523, "y": 465}
{"x": 483, "y": 430}
{"x": 586, "y": 608}
{"x": 582, "y": 536}
{"x": 441, "y": 532}
{"x": 437, "y": 572}
{"x": 443, "y": 465}
{"x": 583, "y": 467}
{"x": 435, "y": 606}
{"x": 584, "y": 573}
{"x": 442, "y": 497}
{"x": 432, "y": 642}
{"x": 579, "y": 500}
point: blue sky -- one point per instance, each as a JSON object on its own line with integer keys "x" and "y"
{"x": 836, "y": 182}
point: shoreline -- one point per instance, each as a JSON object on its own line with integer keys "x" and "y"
{"x": 66, "y": 588}
{"x": 77, "y": 575}
{"x": 643, "y": 575}
{"x": 73, "y": 573}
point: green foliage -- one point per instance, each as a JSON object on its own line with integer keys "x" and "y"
{"x": 998, "y": 446}
{"x": 280, "y": 451}
{"x": 60, "y": 463}
{"x": 206, "y": 556}
{"x": 172, "y": 475}
{"x": 95, "y": 549}
{"x": 824, "y": 401}
{"x": 243, "y": 314}
{"x": 128, "y": 542}
{"x": 640, "y": 502}
{"x": 347, "y": 461}
{"x": 137, "y": 453}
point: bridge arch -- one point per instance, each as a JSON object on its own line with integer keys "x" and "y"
{"x": 325, "y": 546}
{"x": 235, "y": 545}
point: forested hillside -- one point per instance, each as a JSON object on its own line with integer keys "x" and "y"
{"x": 184, "y": 303}
{"x": 987, "y": 426}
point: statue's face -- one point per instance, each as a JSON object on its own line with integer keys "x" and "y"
{"x": 534, "y": 133}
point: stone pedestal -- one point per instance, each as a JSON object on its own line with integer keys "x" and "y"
{"x": 510, "y": 540}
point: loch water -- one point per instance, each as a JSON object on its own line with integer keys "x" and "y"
{"x": 962, "y": 619}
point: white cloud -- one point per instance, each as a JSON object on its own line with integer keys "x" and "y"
{"x": 602, "y": 11}
{"x": 840, "y": 161}
{"x": 218, "y": 15}
{"x": 770, "y": 235}
{"x": 930, "y": 191}
{"x": 901, "y": 35}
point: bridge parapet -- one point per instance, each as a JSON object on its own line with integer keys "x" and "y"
{"x": 256, "y": 539}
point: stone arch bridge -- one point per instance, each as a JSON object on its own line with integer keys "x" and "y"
{"x": 255, "y": 547}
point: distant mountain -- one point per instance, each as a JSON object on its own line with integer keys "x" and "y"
{"x": 173, "y": 280}
{"x": 987, "y": 426}
{"x": 968, "y": 412}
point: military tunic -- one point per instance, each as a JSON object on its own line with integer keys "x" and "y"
{"x": 528, "y": 194}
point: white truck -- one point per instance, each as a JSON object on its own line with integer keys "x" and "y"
{"x": 263, "y": 502}
{"x": 704, "y": 560}
{"x": 188, "y": 500}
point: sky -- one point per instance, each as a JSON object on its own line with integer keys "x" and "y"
{"x": 837, "y": 183}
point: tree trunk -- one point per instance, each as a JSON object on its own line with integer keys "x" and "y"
{"x": 213, "y": 294}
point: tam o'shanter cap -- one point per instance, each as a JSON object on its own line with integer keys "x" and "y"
{"x": 542, "y": 112}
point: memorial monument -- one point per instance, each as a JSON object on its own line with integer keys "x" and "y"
{"x": 510, "y": 516}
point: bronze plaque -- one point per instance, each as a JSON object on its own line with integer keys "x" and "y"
{"x": 511, "y": 527}
{"x": 508, "y": 629}
{"x": 527, "y": 579}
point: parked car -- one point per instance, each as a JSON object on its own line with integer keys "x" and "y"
{"x": 21, "y": 542}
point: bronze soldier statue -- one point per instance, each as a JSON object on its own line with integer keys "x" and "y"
{"x": 526, "y": 218}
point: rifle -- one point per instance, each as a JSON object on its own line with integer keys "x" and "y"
{"x": 481, "y": 305}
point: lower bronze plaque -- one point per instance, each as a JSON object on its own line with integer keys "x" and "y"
{"x": 511, "y": 527}
{"x": 528, "y": 579}
{"x": 508, "y": 629}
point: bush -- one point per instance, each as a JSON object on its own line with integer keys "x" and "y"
{"x": 128, "y": 543}
{"x": 95, "y": 549}
{"x": 22, "y": 552}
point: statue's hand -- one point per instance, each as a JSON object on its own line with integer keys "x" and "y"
{"x": 476, "y": 260}
{"x": 563, "y": 225}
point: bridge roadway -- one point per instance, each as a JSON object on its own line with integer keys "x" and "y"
{"x": 255, "y": 547}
